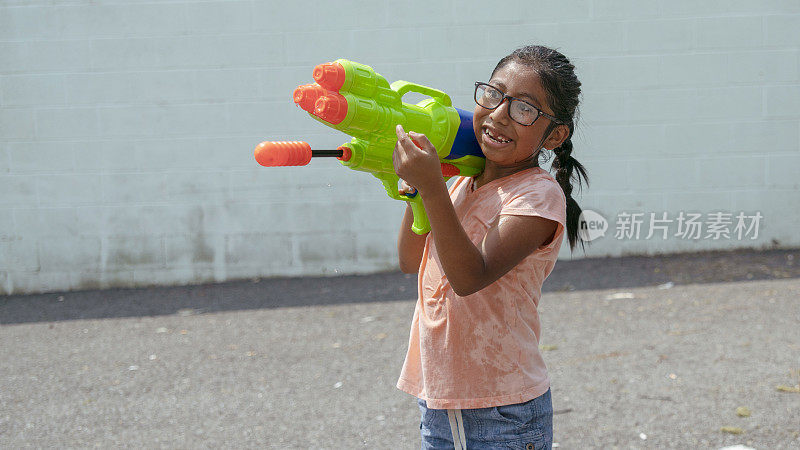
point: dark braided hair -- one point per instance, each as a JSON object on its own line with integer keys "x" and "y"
{"x": 557, "y": 75}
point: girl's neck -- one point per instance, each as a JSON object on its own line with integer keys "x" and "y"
{"x": 494, "y": 171}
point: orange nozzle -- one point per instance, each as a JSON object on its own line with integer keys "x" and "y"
{"x": 346, "y": 153}
{"x": 306, "y": 95}
{"x": 331, "y": 108}
{"x": 283, "y": 153}
{"x": 330, "y": 75}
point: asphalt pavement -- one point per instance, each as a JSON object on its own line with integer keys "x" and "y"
{"x": 682, "y": 351}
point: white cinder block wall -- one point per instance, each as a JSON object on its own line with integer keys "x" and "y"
{"x": 127, "y": 127}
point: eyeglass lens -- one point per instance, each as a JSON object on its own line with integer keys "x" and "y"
{"x": 490, "y": 98}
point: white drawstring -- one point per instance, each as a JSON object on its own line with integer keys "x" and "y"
{"x": 457, "y": 428}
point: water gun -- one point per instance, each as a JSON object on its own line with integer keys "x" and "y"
{"x": 353, "y": 98}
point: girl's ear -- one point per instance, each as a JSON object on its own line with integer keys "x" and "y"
{"x": 557, "y": 137}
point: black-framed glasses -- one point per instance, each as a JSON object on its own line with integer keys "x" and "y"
{"x": 520, "y": 111}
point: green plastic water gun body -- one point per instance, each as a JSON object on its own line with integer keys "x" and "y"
{"x": 355, "y": 100}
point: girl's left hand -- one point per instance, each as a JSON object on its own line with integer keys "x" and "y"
{"x": 415, "y": 160}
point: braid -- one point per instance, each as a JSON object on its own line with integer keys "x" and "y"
{"x": 568, "y": 168}
{"x": 557, "y": 75}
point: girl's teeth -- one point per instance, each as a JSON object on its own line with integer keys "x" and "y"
{"x": 496, "y": 139}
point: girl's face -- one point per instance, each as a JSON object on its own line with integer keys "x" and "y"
{"x": 504, "y": 141}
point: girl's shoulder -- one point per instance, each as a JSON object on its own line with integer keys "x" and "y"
{"x": 533, "y": 181}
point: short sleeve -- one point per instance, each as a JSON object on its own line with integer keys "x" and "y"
{"x": 544, "y": 198}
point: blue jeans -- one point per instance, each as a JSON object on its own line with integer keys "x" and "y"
{"x": 526, "y": 426}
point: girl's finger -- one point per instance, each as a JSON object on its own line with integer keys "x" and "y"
{"x": 401, "y": 133}
{"x": 420, "y": 140}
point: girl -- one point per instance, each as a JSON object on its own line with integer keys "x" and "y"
{"x": 473, "y": 359}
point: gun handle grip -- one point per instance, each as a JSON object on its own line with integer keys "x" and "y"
{"x": 421, "y": 224}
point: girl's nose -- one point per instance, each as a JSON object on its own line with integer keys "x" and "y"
{"x": 500, "y": 114}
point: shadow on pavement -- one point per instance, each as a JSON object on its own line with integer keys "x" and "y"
{"x": 568, "y": 275}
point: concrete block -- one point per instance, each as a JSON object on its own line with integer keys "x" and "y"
{"x": 18, "y": 253}
{"x": 220, "y": 51}
{"x": 228, "y": 17}
{"x": 252, "y": 118}
{"x": 332, "y": 250}
{"x": 258, "y": 249}
{"x": 624, "y": 10}
{"x": 133, "y": 251}
{"x": 103, "y": 155}
{"x": 35, "y": 282}
{"x": 5, "y": 159}
{"x": 689, "y": 8}
{"x": 18, "y": 190}
{"x": 196, "y": 120}
{"x": 316, "y": 47}
{"x": 604, "y": 175}
{"x": 44, "y": 56}
{"x": 620, "y": 73}
{"x": 163, "y": 153}
{"x": 69, "y": 122}
{"x": 112, "y": 88}
{"x": 697, "y": 201}
{"x": 782, "y": 101}
{"x": 599, "y": 107}
{"x": 473, "y": 43}
{"x": 693, "y": 139}
{"x": 624, "y": 140}
{"x": 68, "y": 190}
{"x": 729, "y": 32}
{"x": 530, "y": 12}
{"x": 117, "y": 20}
{"x": 783, "y": 170}
{"x": 34, "y": 157}
{"x": 662, "y": 105}
{"x": 733, "y": 103}
{"x": 383, "y": 214}
{"x": 695, "y": 70}
{"x": 782, "y": 30}
{"x": 389, "y": 45}
{"x": 195, "y": 187}
{"x": 192, "y": 250}
{"x": 47, "y": 222}
{"x": 576, "y": 39}
{"x": 260, "y": 216}
{"x": 320, "y": 216}
{"x": 774, "y": 135}
{"x": 762, "y": 66}
{"x": 58, "y": 254}
{"x": 234, "y": 152}
{"x": 377, "y": 247}
{"x": 226, "y": 85}
{"x": 133, "y": 188}
{"x": 135, "y": 53}
{"x": 32, "y": 90}
{"x": 663, "y": 174}
{"x": 17, "y": 123}
{"x": 730, "y": 172}
{"x": 660, "y": 35}
{"x": 33, "y": 22}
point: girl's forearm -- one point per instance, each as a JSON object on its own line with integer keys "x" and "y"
{"x": 461, "y": 260}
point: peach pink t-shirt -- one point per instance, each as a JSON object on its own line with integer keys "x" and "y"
{"x": 482, "y": 350}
